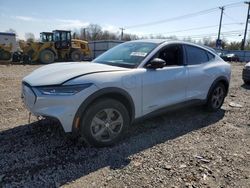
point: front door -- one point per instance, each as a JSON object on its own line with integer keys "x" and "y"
{"x": 165, "y": 86}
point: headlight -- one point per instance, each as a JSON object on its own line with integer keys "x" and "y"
{"x": 63, "y": 90}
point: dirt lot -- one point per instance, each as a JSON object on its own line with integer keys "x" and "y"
{"x": 185, "y": 148}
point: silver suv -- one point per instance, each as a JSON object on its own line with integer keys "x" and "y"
{"x": 136, "y": 79}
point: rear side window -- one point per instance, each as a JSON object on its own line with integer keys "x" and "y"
{"x": 210, "y": 56}
{"x": 196, "y": 55}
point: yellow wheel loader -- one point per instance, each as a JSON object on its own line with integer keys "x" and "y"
{"x": 44, "y": 52}
{"x": 55, "y": 46}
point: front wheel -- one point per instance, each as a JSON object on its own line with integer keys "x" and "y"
{"x": 5, "y": 55}
{"x": 104, "y": 123}
{"x": 47, "y": 56}
{"x": 76, "y": 55}
{"x": 216, "y": 97}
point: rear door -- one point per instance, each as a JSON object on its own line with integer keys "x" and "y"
{"x": 199, "y": 77}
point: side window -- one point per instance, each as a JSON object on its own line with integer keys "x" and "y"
{"x": 172, "y": 54}
{"x": 196, "y": 55}
{"x": 57, "y": 36}
{"x": 64, "y": 36}
{"x": 210, "y": 56}
{"x": 68, "y": 36}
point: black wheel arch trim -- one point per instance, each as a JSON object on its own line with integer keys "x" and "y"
{"x": 102, "y": 93}
{"x": 217, "y": 80}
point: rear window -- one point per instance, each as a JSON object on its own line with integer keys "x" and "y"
{"x": 196, "y": 55}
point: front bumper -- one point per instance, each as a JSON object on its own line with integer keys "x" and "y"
{"x": 62, "y": 108}
{"x": 246, "y": 74}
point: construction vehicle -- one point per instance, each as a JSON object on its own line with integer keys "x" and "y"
{"x": 54, "y": 46}
{"x": 7, "y": 45}
{"x": 46, "y": 36}
{"x": 5, "y": 52}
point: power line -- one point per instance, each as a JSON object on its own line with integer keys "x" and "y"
{"x": 234, "y": 32}
{"x": 199, "y": 13}
{"x": 174, "y": 18}
{"x": 235, "y": 4}
{"x": 227, "y": 33}
{"x": 191, "y": 29}
{"x": 239, "y": 5}
{"x": 233, "y": 19}
{"x": 209, "y": 35}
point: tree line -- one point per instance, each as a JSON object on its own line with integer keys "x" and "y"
{"x": 95, "y": 32}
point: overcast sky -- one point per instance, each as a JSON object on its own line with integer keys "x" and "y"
{"x": 47, "y": 15}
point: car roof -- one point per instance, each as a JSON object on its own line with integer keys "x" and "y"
{"x": 156, "y": 41}
{"x": 160, "y": 41}
{"x": 166, "y": 41}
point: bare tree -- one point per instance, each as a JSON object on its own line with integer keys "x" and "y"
{"x": 107, "y": 35}
{"x": 10, "y": 30}
{"x": 128, "y": 37}
{"x": 234, "y": 46}
{"x": 94, "y": 32}
{"x": 30, "y": 37}
{"x": 188, "y": 39}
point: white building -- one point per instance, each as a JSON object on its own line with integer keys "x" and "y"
{"x": 7, "y": 39}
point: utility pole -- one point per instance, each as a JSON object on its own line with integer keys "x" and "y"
{"x": 221, "y": 16}
{"x": 218, "y": 41}
{"x": 84, "y": 33}
{"x": 245, "y": 34}
{"x": 122, "y": 29}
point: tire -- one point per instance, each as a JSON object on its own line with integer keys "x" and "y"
{"x": 247, "y": 82}
{"x": 104, "y": 123}
{"x": 5, "y": 55}
{"x": 76, "y": 55}
{"x": 27, "y": 59}
{"x": 16, "y": 57}
{"x": 216, "y": 97}
{"x": 46, "y": 57}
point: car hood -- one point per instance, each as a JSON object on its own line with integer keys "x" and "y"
{"x": 59, "y": 73}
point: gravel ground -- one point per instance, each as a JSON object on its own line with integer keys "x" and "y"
{"x": 185, "y": 148}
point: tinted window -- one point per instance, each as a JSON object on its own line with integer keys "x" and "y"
{"x": 196, "y": 55}
{"x": 172, "y": 54}
{"x": 210, "y": 56}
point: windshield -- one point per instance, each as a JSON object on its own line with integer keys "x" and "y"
{"x": 128, "y": 55}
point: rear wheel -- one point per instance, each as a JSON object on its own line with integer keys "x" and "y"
{"x": 76, "y": 55}
{"x": 47, "y": 56}
{"x": 216, "y": 97}
{"x": 104, "y": 123}
{"x": 5, "y": 55}
{"x": 247, "y": 82}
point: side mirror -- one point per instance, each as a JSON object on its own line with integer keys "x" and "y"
{"x": 156, "y": 63}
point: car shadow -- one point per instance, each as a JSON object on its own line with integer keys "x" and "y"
{"x": 41, "y": 154}
{"x": 245, "y": 86}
